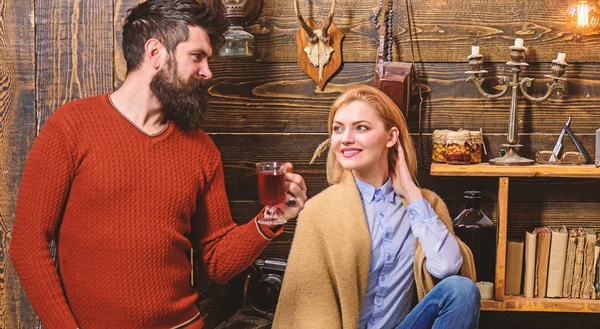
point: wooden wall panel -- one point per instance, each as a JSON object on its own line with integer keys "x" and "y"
{"x": 17, "y": 131}
{"x": 443, "y": 30}
{"x": 259, "y": 97}
{"x": 74, "y": 51}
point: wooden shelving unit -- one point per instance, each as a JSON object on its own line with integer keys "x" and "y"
{"x": 520, "y": 303}
{"x": 536, "y": 170}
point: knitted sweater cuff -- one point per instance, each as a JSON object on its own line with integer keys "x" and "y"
{"x": 266, "y": 231}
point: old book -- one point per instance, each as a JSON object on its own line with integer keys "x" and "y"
{"x": 556, "y": 263}
{"x": 570, "y": 262}
{"x": 514, "y": 267}
{"x": 596, "y": 290}
{"x": 578, "y": 267}
{"x": 544, "y": 236}
{"x": 597, "y": 279}
{"x": 587, "y": 276}
{"x": 529, "y": 277}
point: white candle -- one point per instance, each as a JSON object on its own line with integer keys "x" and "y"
{"x": 561, "y": 57}
{"x": 474, "y": 50}
{"x": 486, "y": 289}
{"x": 518, "y": 42}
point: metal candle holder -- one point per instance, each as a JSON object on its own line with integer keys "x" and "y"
{"x": 516, "y": 64}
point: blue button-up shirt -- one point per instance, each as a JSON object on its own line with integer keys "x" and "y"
{"x": 393, "y": 228}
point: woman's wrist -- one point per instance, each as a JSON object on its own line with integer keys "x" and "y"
{"x": 413, "y": 194}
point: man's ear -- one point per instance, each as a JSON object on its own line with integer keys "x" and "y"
{"x": 154, "y": 50}
{"x": 392, "y": 137}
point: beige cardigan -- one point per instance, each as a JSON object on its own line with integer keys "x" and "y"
{"x": 326, "y": 276}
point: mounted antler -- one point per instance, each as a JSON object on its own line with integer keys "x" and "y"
{"x": 328, "y": 20}
{"x": 310, "y": 34}
{"x": 316, "y": 46}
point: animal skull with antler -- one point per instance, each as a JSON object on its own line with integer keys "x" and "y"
{"x": 319, "y": 50}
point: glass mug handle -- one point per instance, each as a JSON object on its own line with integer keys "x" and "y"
{"x": 502, "y": 152}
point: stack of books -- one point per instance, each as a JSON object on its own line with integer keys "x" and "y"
{"x": 554, "y": 262}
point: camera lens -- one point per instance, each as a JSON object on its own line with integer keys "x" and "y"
{"x": 263, "y": 294}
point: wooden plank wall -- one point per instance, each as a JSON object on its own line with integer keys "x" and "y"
{"x": 53, "y": 51}
{"x": 17, "y": 132}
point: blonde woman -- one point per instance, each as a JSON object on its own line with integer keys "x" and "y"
{"x": 373, "y": 242}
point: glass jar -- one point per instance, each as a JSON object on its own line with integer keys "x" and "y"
{"x": 458, "y": 147}
{"x": 438, "y": 151}
{"x": 477, "y": 146}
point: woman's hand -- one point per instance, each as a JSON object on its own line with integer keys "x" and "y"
{"x": 402, "y": 179}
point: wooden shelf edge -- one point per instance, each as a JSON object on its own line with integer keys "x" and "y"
{"x": 520, "y": 303}
{"x": 536, "y": 170}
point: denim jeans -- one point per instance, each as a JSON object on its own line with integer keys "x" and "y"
{"x": 452, "y": 304}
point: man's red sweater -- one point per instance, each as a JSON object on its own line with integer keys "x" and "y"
{"x": 124, "y": 207}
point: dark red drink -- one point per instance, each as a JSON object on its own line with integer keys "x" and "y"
{"x": 270, "y": 187}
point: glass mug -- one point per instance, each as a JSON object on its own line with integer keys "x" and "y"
{"x": 271, "y": 190}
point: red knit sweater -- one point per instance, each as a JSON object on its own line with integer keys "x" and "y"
{"x": 125, "y": 208}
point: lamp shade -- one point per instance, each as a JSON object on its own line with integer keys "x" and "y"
{"x": 238, "y": 43}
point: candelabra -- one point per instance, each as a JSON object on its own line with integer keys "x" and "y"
{"x": 516, "y": 65}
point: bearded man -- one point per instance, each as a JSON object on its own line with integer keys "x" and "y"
{"x": 127, "y": 182}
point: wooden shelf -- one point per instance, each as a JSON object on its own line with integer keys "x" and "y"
{"x": 536, "y": 170}
{"x": 520, "y": 303}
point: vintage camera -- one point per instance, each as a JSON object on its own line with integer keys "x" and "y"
{"x": 263, "y": 284}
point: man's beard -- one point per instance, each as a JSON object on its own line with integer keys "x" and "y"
{"x": 181, "y": 103}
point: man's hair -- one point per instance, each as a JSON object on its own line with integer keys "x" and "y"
{"x": 168, "y": 21}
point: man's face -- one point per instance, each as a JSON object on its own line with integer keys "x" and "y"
{"x": 180, "y": 83}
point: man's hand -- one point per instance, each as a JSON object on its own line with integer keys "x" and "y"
{"x": 296, "y": 194}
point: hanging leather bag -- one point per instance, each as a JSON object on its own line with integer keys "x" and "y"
{"x": 393, "y": 78}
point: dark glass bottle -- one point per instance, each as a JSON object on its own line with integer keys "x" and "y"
{"x": 478, "y": 232}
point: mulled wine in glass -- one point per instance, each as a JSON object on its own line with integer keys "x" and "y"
{"x": 271, "y": 190}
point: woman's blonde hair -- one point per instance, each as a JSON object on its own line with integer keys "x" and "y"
{"x": 391, "y": 116}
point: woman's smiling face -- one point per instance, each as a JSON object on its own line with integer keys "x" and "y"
{"x": 361, "y": 140}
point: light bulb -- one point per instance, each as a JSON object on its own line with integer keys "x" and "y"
{"x": 583, "y": 16}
